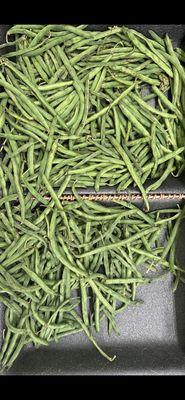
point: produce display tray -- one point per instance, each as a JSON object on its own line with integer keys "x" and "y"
{"x": 152, "y": 335}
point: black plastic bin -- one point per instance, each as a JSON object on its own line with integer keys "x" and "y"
{"x": 152, "y": 339}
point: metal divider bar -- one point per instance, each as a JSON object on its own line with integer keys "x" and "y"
{"x": 124, "y": 196}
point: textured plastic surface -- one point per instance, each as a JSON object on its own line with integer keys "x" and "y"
{"x": 152, "y": 339}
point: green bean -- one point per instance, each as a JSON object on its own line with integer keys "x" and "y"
{"x": 10, "y": 305}
{"x": 116, "y": 101}
{"x": 18, "y": 188}
{"x": 54, "y": 86}
{"x": 172, "y": 237}
{"x": 40, "y": 70}
{"x": 35, "y": 338}
{"x": 84, "y": 302}
{"x": 25, "y": 100}
{"x": 130, "y": 169}
{"x": 77, "y": 84}
{"x": 100, "y": 296}
{"x": 136, "y": 74}
{"x": 91, "y": 337}
{"x": 38, "y": 280}
{"x": 57, "y": 251}
{"x": 97, "y": 314}
{"x": 147, "y": 52}
{"x": 113, "y": 293}
{"x": 120, "y": 243}
{"x": 52, "y": 193}
{"x": 37, "y": 49}
{"x": 51, "y": 204}
{"x": 36, "y": 91}
{"x": 174, "y": 58}
{"x": 4, "y": 191}
{"x": 150, "y": 108}
{"x": 45, "y": 63}
{"x": 12, "y": 344}
{"x": 34, "y": 192}
{"x": 165, "y": 174}
{"x": 168, "y": 103}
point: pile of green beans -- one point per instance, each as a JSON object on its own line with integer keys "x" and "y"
{"x": 67, "y": 268}
{"x": 81, "y": 108}
{"x": 106, "y": 107}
